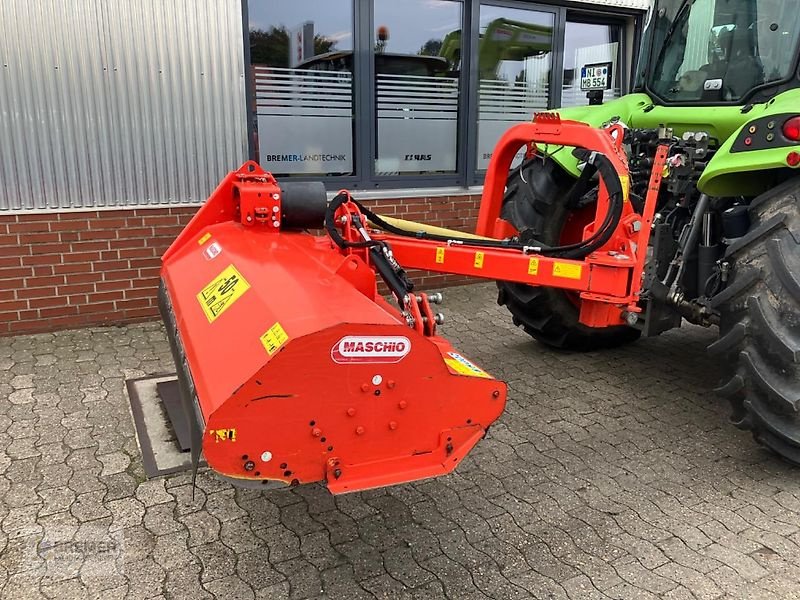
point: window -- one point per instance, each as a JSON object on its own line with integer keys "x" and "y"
{"x": 370, "y": 94}
{"x": 417, "y": 75}
{"x": 514, "y": 62}
{"x": 301, "y": 69}
{"x": 590, "y": 44}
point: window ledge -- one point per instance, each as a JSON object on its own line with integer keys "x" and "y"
{"x": 402, "y": 193}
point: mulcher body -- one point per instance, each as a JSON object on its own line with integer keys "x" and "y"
{"x": 293, "y": 368}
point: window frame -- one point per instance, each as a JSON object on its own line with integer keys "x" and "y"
{"x": 364, "y": 100}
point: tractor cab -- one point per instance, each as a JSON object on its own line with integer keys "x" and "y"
{"x": 720, "y": 51}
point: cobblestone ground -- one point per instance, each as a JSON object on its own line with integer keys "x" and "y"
{"x": 610, "y": 474}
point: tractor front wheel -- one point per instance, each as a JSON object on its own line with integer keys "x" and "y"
{"x": 760, "y": 323}
{"x": 535, "y": 203}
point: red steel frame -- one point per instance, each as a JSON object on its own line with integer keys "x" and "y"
{"x": 608, "y": 280}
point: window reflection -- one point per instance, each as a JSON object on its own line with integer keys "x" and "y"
{"x": 302, "y": 72}
{"x": 589, "y": 44}
{"x": 514, "y": 61}
{"x": 417, "y": 53}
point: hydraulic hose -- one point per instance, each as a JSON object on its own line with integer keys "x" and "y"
{"x": 575, "y": 251}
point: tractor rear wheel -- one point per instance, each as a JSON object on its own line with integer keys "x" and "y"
{"x": 760, "y": 323}
{"x": 535, "y": 203}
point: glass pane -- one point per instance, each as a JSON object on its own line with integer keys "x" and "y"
{"x": 417, "y": 67}
{"x": 588, "y": 48}
{"x": 721, "y": 50}
{"x": 514, "y": 58}
{"x": 301, "y": 56}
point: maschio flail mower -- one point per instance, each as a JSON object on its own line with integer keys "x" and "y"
{"x": 294, "y": 369}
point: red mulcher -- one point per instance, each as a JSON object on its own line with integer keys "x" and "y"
{"x": 294, "y": 369}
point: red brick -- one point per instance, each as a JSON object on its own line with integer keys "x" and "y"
{"x": 127, "y": 243}
{"x": 154, "y": 272}
{"x": 133, "y": 303}
{"x": 84, "y": 278}
{"x": 10, "y": 261}
{"x": 58, "y": 311}
{"x": 13, "y": 305}
{"x": 48, "y": 325}
{"x": 75, "y": 288}
{"x": 39, "y": 238}
{"x": 113, "y": 265}
{"x": 47, "y": 302}
{"x": 124, "y": 284}
{"x": 108, "y": 255}
{"x": 81, "y": 257}
{"x": 78, "y": 226}
{"x": 36, "y": 292}
{"x": 28, "y": 226}
{"x": 150, "y": 212}
{"x": 42, "y": 270}
{"x": 71, "y": 268}
{"x": 48, "y": 280}
{"x": 15, "y": 272}
{"x": 100, "y": 307}
{"x": 134, "y": 233}
{"x": 105, "y": 296}
{"x": 9, "y": 239}
{"x": 121, "y": 274}
{"x": 140, "y": 293}
{"x": 145, "y": 263}
{"x": 6, "y": 295}
{"x": 114, "y": 224}
{"x": 42, "y": 259}
{"x": 140, "y": 313}
{"x": 168, "y": 231}
{"x": 136, "y": 253}
{"x": 52, "y": 248}
{"x": 97, "y": 235}
{"x": 32, "y": 216}
{"x": 14, "y": 251}
{"x": 78, "y": 215}
{"x": 165, "y": 220}
{"x": 134, "y": 222}
{"x": 88, "y": 246}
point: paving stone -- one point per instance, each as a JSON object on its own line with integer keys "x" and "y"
{"x": 611, "y": 474}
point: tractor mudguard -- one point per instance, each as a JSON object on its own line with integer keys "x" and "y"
{"x": 757, "y": 145}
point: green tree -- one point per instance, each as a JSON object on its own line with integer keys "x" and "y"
{"x": 430, "y": 48}
{"x": 271, "y": 47}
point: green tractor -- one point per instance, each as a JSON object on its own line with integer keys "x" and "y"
{"x": 719, "y": 82}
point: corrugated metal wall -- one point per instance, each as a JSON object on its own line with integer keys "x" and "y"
{"x": 119, "y": 102}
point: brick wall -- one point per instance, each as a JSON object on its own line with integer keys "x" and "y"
{"x": 73, "y": 269}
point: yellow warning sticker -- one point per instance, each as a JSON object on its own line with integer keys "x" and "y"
{"x": 567, "y": 270}
{"x": 533, "y": 266}
{"x": 224, "y": 290}
{"x": 440, "y": 255}
{"x": 204, "y": 238}
{"x": 223, "y": 435}
{"x": 478, "y": 260}
{"x": 462, "y": 366}
{"x": 626, "y": 187}
{"x": 274, "y": 338}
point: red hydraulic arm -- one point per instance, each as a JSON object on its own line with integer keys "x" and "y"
{"x": 608, "y": 279}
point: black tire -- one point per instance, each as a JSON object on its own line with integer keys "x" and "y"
{"x": 534, "y": 201}
{"x": 760, "y": 323}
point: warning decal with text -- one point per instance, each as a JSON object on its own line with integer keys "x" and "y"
{"x": 274, "y": 338}
{"x": 224, "y": 290}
